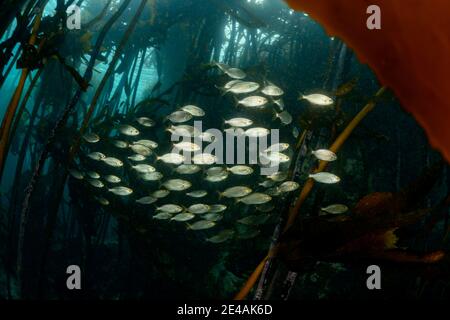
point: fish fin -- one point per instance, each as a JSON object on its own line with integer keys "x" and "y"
{"x": 220, "y": 195}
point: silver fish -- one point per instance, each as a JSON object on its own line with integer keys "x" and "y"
{"x": 201, "y": 225}
{"x": 255, "y": 219}
{"x": 152, "y": 176}
{"x": 91, "y": 137}
{"x": 187, "y": 146}
{"x": 102, "y": 201}
{"x": 144, "y": 168}
{"x": 162, "y": 216}
{"x": 199, "y": 208}
{"x": 317, "y": 99}
{"x": 243, "y": 87}
{"x": 278, "y": 147}
{"x": 325, "y": 155}
{"x": 98, "y": 156}
{"x": 249, "y": 234}
{"x": 170, "y": 208}
{"x": 187, "y": 169}
{"x": 239, "y": 122}
{"x": 172, "y": 158}
{"x": 257, "y": 132}
{"x": 177, "y": 184}
{"x": 128, "y": 130}
{"x": 231, "y": 83}
{"x": 112, "y": 179}
{"x": 197, "y": 193}
{"x": 253, "y": 102}
{"x": 335, "y": 209}
{"x": 272, "y": 90}
{"x": 194, "y": 110}
{"x": 234, "y": 132}
{"x": 184, "y": 131}
{"x": 146, "y": 122}
{"x": 236, "y": 192}
{"x": 289, "y": 186}
{"x": 179, "y": 117}
{"x": 76, "y": 174}
{"x": 120, "y": 144}
{"x": 217, "y": 208}
{"x": 147, "y": 143}
{"x": 255, "y": 198}
{"x": 96, "y": 183}
{"x": 185, "y": 216}
{"x": 113, "y": 162}
{"x": 217, "y": 178}
{"x": 160, "y": 193}
{"x": 285, "y": 117}
{"x": 141, "y": 149}
{"x": 221, "y": 236}
{"x": 325, "y": 177}
{"x": 235, "y": 73}
{"x": 204, "y": 159}
{"x": 275, "y": 157}
{"x": 216, "y": 171}
{"x": 121, "y": 191}
{"x": 265, "y": 207}
{"x": 146, "y": 200}
{"x": 137, "y": 157}
{"x": 241, "y": 170}
{"x": 206, "y": 136}
{"x": 212, "y": 217}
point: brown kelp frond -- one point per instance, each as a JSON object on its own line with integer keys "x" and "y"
{"x": 370, "y": 232}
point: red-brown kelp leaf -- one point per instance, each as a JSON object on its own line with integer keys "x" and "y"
{"x": 410, "y": 54}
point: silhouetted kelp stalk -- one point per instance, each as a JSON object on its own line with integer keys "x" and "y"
{"x": 306, "y": 190}
{"x": 75, "y": 146}
{"x": 12, "y": 107}
{"x": 59, "y": 125}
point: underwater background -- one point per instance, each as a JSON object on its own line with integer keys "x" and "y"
{"x": 78, "y": 105}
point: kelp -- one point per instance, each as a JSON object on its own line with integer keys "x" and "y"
{"x": 11, "y": 109}
{"x": 419, "y": 58}
{"x": 368, "y": 233}
{"x": 56, "y": 224}
{"x": 295, "y": 209}
{"x": 59, "y": 125}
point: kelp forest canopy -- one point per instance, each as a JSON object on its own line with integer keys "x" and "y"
{"x": 145, "y": 59}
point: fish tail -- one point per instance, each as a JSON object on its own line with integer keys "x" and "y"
{"x": 236, "y": 101}
{"x": 275, "y": 116}
{"x": 300, "y": 96}
{"x": 223, "y": 91}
